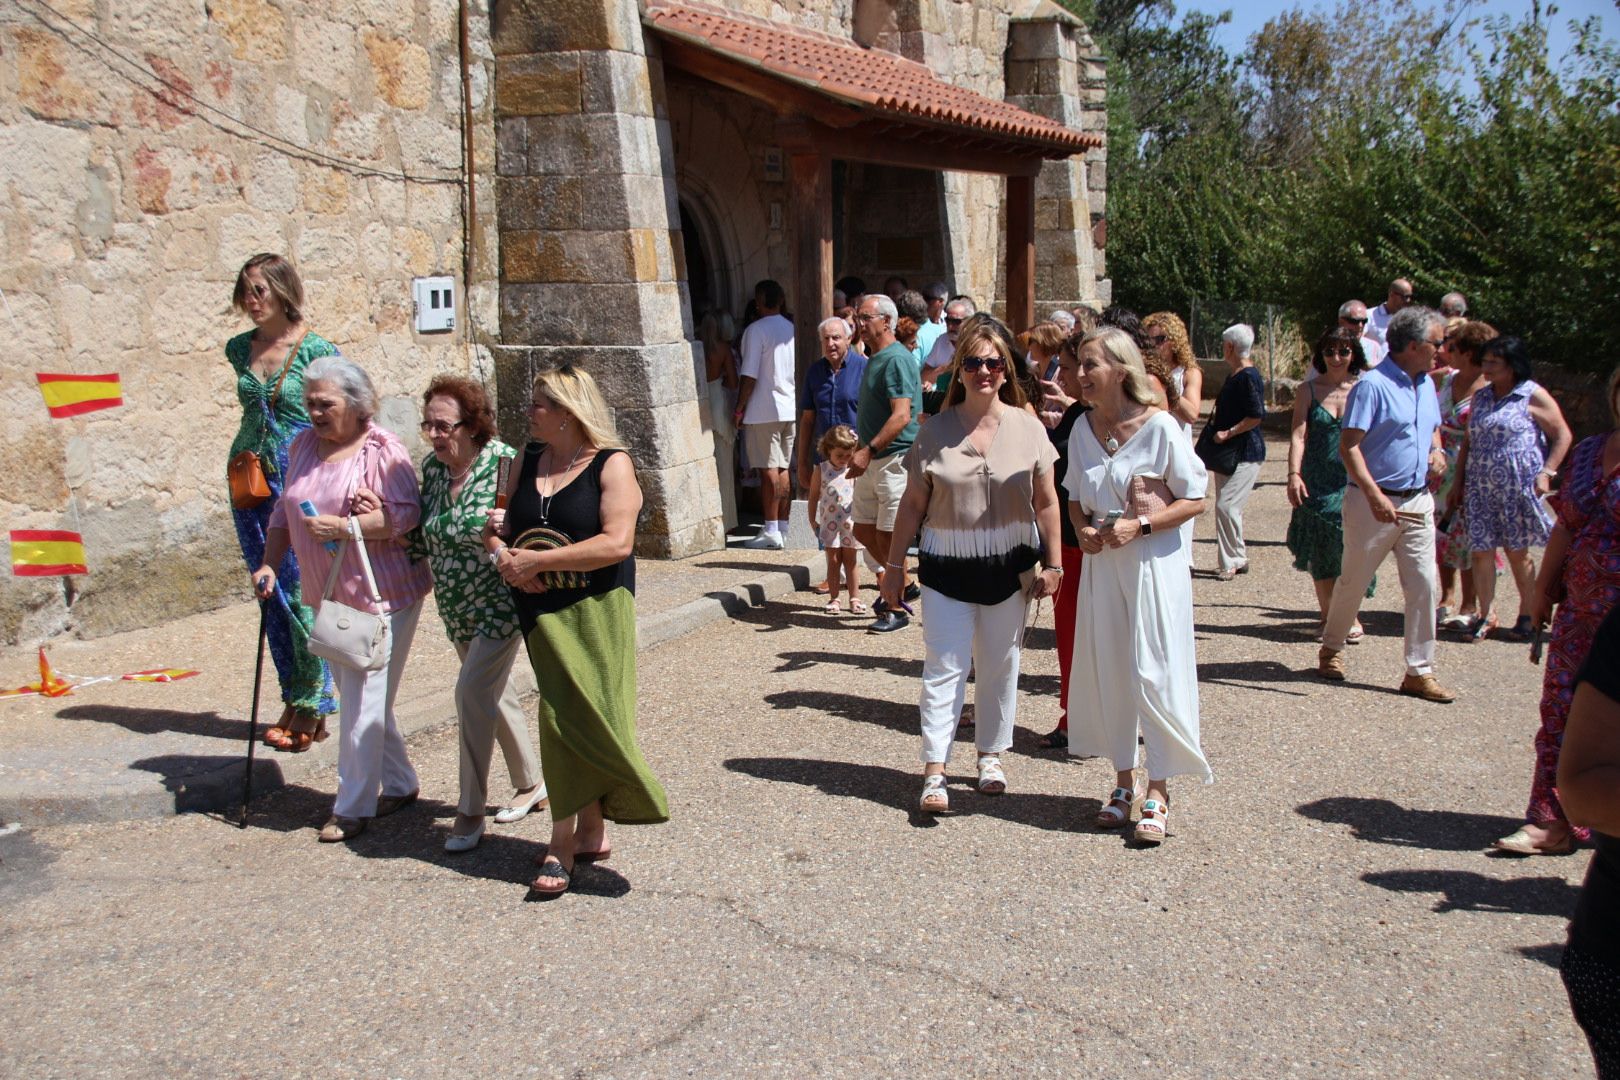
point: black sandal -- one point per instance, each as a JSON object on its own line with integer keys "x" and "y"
{"x": 1057, "y": 739}
{"x": 552, "y": 868}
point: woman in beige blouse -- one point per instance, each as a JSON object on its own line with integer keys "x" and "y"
{"x": 980, "y": 489}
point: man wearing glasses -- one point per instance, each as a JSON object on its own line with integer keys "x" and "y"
{"x": 937, "y": 359}
{"x": 1400, "y": 296}
{"x": 1390, "y": 443}
{"x": 1353, "y": 317}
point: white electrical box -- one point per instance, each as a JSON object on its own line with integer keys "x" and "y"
{"x": 434, "y": 301}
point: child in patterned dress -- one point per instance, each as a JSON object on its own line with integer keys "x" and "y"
{"x": 832, "y": 508}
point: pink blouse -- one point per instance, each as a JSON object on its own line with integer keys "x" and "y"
{"x": 383, "y": 465}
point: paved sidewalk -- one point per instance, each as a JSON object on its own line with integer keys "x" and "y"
{"x": 118, "y": 750}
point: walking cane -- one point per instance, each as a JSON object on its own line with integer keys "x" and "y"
{"x": 253, "y": 722}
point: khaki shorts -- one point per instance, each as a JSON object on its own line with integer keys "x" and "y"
{"x": 769, "y": 446}
{"x": 878, "y": 491}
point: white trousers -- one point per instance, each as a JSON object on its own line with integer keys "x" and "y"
{"x": 371, "y": 751}
{"x": 489, "y": 710}
{"x": 1231, "y": 492}
{"x": 960, "y": 637}
{"x": 1366, "y": 542}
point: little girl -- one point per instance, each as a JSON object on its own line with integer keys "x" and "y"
{"x": 832, "y": 506}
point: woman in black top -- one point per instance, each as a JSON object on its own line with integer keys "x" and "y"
{"x": 1232, "y": 447}
{"x": 1589, "y": 789}
{"x": 1064, "y": 390}
{"x": 571, "y": 523}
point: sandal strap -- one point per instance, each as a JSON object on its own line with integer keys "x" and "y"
{"x": 554, "y": 868}
{"x": 934, "y": 782}
{"x": 1154, "y": 808}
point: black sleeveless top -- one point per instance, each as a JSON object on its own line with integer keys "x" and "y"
{"x": 575, "y": 511}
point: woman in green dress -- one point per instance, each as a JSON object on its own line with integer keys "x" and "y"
{"x": 1316, "y": 475}
{"x": 459, "y": 485}
{"x": 269, "y": 363}
{"x": 571, "y": 519}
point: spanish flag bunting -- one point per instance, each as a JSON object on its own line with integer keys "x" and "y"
{"x": 160, "y": 675}
{"x": 50, "y": 684}
{"x": 70, "y": 395}
{"x": 46, "y": 553}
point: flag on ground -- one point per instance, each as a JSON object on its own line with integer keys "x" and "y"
{"x": 160, "y": 675}
{"x": 46, "y": 553}
{"x": 70, "y": 395}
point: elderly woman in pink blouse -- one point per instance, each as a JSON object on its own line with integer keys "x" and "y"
{"x": 357, "y": 478}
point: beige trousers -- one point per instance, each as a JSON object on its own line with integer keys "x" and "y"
{"x": 1366, "y": 543}
{"x": 488, "y": 707}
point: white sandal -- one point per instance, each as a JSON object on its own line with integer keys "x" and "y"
{"x": 935, "y": 799}
{"x": 834, "y": 608}
{"x": 992, "y": 780}
{"x": 1117, "y": 811}
{"x": 1150, "y": 830}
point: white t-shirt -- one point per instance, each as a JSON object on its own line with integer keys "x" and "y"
{"x": 768, "y": 358}
{"x": 1377, "y": 323}
{"x": 940, "y": 355}
{"x": 1374, "y": 348}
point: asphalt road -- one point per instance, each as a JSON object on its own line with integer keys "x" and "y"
{"x": 1325, "y": 908}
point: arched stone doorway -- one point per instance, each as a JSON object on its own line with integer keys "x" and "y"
{"x": 708, "y": 290}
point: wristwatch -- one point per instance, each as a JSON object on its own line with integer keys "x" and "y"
{"x": 1147, "y": 526}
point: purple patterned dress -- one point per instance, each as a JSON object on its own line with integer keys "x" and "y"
{"x": 1506, "y": 451}
{"x": 1588, "y": 505}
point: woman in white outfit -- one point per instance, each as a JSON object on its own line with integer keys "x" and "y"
{"x": 979, "y": 486}
{"x": 1134, "y": 671}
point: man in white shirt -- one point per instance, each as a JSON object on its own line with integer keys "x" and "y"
{"x": 1400, "y": 295}
{"x": 1353, "y": 316}
{"x": 939, "y": 357}
{"x": 766, "y": 408}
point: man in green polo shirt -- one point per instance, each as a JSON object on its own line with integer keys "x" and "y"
{"x": 886, "y": 425}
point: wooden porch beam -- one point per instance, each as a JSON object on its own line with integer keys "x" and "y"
{"x": 812, "y": 253}
{"x": 1020, "y": 253}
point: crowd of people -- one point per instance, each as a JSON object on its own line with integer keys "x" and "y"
{"x": 1056, "y": 463}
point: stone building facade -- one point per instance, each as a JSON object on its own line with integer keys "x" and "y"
{"x": 543, "y": 155}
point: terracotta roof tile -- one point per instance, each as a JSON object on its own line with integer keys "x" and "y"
{"x": 882, "y": 81}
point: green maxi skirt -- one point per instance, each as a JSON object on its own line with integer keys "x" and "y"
{"x": 584, "y": 659}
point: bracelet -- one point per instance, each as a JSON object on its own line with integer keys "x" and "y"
{"x": 1054, "y": 569}
{"x": 895, "y": 565}
{"x": 1293, "y": 473}
{"x": 1549, "y": 474}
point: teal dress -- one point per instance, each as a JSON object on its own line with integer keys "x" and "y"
{"x": 270, "y": 421}
{"x": 1316, "y": 529}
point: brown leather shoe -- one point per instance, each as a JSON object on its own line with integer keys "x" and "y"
{"x": 338, "y": 829}
{"x": 1330, "y": 663}
{"x": 390, "y": 804}
{"x": 821, "y": 588}
{"x": 1427, "y": 688}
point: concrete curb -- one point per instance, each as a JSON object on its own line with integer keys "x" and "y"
{"x": 220, "y": 788}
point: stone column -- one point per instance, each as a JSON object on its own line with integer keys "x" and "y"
{"x": 1054, "y": 70}
{"x": 592, "y": 270}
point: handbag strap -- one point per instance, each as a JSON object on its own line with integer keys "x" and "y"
{"x": 275, "y": 394}
{"x": 365, "y": 563}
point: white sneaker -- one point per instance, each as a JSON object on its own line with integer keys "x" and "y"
{"x": 765, "y": 541}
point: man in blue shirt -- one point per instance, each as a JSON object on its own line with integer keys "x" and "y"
{"x": 1390, "y": 443}
{"x": 831, "y": 391}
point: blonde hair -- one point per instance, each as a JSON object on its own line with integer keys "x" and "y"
{"x": 980, "y": 327}
{"x": 838, "y": 437}
{"x": 1176, "y": 331}
{"x": 1122, "y": 352}
{"x": 573, "y": 389}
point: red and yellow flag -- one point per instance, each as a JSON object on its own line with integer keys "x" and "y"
{"x": 50, "y": 684}
{"x": 70, "y": 395}
{"x": 46, "y": 553}
{"x": 160, "y": 675}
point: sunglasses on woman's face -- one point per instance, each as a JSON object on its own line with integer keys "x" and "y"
{"x": 1339, "y": 350}
{"x": 991, "y": 363}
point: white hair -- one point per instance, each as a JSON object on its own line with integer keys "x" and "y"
{"x": 1348, "y": 308}
{"x": 1453, "y": 304}
{"x": 1241, "y": 337}
{"x": 886, "y": 308}
{"x": 821, "y": 327}
{"x": 965, "y": 304}
{"x": 348, "y": 378}
{"x": 1063, "y": 319}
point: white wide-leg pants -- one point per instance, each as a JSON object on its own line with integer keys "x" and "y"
{"x": 958, "y": 637}
{"x": 371, "y": 751}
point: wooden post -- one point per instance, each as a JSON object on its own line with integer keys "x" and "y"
{"x": 1020, "y": 253}
{"x": 811, "y": 290}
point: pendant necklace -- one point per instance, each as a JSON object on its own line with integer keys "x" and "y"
{"x": 545, "y": 501}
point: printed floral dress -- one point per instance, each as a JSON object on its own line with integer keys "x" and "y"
{"x": 835, "y": 512}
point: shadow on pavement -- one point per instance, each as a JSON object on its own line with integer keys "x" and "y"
{"x": 417, "y": 833}
{"x": 212, "y": 782}
{"x": 1253, "y": 675}
{"x": 1550, "y": 954}
{"x": 209, "y": 725}
{"x": 1464, "y": 890}
{"x": 898, "y": 790}
{"x": 1384, "y": 822}
{"x": 802, "y": 660}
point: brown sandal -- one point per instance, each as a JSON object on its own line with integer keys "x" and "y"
{"x": 277, "y": 736}
{"x": 307, "y": 729}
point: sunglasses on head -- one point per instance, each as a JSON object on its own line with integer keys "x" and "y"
{"x": 989, "y": 363}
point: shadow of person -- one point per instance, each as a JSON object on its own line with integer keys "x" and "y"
{"x": 1464, "y": 890}
{"x": 1384, "y": 822}
{"x": 1551, "y": 954}
{"x": 207, "y": 782}
{"x": 142, "y": 721}
{"x": 1250, "y": 674}
{"x": 898, "y": 789}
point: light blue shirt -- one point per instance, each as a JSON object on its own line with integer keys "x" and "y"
{"x": 928, "y": 333}
{"x": 1399, "y": 416}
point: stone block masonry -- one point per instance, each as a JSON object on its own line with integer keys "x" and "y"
{"x": 593, "y": 271}
{"x": 133, "y": 188}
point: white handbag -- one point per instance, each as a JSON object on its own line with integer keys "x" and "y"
{"x": 345, "y": 635}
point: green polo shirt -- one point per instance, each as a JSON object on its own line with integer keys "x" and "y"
{"x": 891, "y": 373}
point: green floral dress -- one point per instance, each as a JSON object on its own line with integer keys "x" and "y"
{"x": 1316, "y": 529}
{"x": 473, "y": 600}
